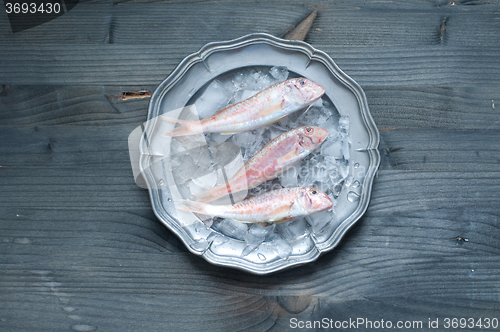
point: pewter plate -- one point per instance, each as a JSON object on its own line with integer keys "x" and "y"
{"x": 217, "y": 61}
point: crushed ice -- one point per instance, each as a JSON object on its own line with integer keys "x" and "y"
{"x": 326, "y": 168}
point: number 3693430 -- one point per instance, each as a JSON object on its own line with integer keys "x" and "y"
{"x": 32, "y": 8}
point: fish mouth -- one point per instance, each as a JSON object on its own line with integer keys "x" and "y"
{"x": 313, "y": 141}
{"x": 329, "y": 205}
{"x": 323, "y": 134}
{"x": 318, "y": 92}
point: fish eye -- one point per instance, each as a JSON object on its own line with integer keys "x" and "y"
{"x": 314, "y": 192}
{"x": 301, "y": 82}
{"x": 309, "y": 129}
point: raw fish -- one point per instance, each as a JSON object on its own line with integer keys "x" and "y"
{"x": 275, "y": 157}
{"x": 266, "y": 107}
{"x": 274, "y": 206}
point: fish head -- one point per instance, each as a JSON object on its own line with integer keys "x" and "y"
{"x": 310, "y": 137}
{"x": 316, "y": 200}
{"x": 305, "y": 91}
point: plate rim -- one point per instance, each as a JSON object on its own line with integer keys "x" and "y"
{"x": 313, "y": 54}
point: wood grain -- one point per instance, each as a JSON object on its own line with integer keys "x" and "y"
{"x": 339, "y": 23}
{"x": 393, "y": 107}
{"x": 81, "y": 249}
{"x": 147, "y": 65}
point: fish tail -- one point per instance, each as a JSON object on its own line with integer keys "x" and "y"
{"x": 209, "y": 194}
{"x": 185, "y": 128}
{"x": 197, "y": 208}
{"x": 191, "y": 206}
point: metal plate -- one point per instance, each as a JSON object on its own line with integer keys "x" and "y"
{"x": 260, "y": 50}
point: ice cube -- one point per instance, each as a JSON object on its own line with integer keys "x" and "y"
{"x": 184, "y": 190}
{"x": 289, "y": 177}
{"x": 344, "y": 125}
{"x": 348, "y": 180}
{"x": 257, "y": 80}
{"x": 306, "y": 181}
{"x": 244, "y": 94}
{"x": 340, "y": 173}
{"x": 284, "y": 123}
{"x": 321, "y": 172}
{"x": 314, "y": 116}
{"x": 219, "y": 138}
{"x": 240, "y": 81}
{"x": 293, "y": 230}
{"x": 275, "y": 131}
{"x": 281, "y": 247}
{"x": 176, "y": 146}
{"x": 332, "y": 148}
{"x": 344, "y": 169}
{"x": 334, "y": 174}
{"x": 280, "y": 73}
{"x": 319, "y": 220}
{"x": 334, "y": 201}
{"x": 313, "y": 170}
{"x": 256, "y": 143}
{"x": 244, "y": 139}
{"x": 256, "y": 235}
{"x": 229, "y": 86}
{"x": 233, "y": 228}
{"x": 206, "y": 181}
{"x": 214, "y": 98}
{"x": 331, "y": 125}
{"x": 332, "y": 167}
{"x": 259, "y": 231}
{"x": 183, "y": 167}
{"x": 306, "y": 173}
{"x": 345, "y": 149}
{"x": 194, "y": 188}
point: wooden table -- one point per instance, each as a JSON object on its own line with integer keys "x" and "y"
{"x": 81, "y": 249}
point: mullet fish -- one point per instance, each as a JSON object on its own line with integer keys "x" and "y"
{"x": 266, "y": 107}
{"x": 274, "y": 158}
{"x": 275, "y": 206}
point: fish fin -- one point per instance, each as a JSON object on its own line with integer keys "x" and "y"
{"x": 281, "y": 209}
{"x": 166, "y": 118}
{"x": 245, "y": 221}
{"x": 266, "y": 224}
{"x": 284, "y": 220}
{"x": 210, "y": 194}
{"x": 187, "y": 127}
{"x": 263, "y": 224}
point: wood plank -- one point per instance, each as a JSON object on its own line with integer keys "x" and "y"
{"x": 431, "y": 106}
{"x": 122, "y": 265}
{"x": 465, "y": 55}
{"x": 71, "y": 105}
{"x": 147, "y": 65}
{"x": 82, "y": 166}
{"x": 338, "y": 22}
{"x": 392, "y": 107}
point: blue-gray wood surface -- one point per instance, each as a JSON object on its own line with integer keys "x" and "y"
{"x": 80, "y": 248}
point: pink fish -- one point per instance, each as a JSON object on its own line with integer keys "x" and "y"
{"x": 275, "y": 206}
{"x": 275, "y": 157}
{"x": 266, "y": 107}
